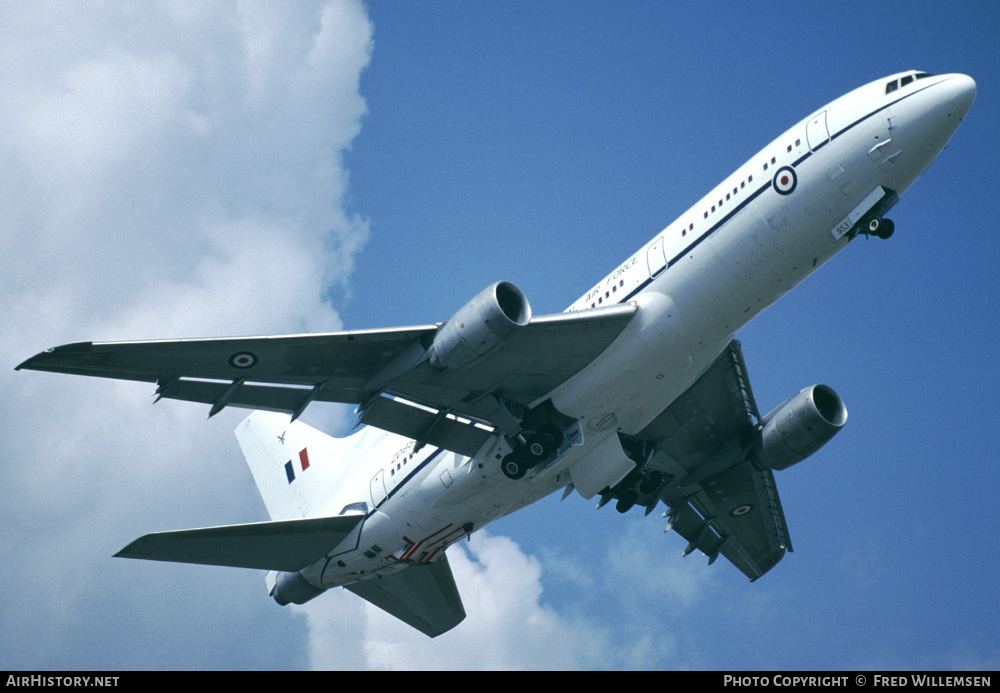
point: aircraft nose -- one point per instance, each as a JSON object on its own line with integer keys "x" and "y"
{"x": 959, "y": 95}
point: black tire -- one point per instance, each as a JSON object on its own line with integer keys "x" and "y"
{"x": 886, "y": 229}
{"x": 538, "y": 448}
{"x": 514, "y": 466}
{"x": 552, "y": 436}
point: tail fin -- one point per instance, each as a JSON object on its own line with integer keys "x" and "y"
{"x": 295, "y": 466}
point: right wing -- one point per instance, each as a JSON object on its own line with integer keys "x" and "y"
{"x": 385, "y": 372}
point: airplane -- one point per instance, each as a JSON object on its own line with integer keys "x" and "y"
{"x": 638, "y": 393}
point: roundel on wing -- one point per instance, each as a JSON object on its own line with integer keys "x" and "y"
{"x": 242, "y": 359}
{"x": 785, "y": 180}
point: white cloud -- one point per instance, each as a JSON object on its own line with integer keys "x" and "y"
{"x": 172, "y": 170}
{"x": 507, "y": 625}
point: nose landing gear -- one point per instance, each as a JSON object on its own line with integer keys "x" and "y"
{"x": 880, "y": 228}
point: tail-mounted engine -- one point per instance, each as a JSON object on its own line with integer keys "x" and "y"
{"x": 480, "y": 328}
{"x": 799, "y": 427}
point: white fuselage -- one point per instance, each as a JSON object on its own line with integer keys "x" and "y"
{"x": 751, "y": 239}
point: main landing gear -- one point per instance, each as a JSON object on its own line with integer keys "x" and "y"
{"x": 537, "y": 447}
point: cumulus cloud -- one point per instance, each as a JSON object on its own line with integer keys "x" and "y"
{"x": 628, "y": 604}
{"x": 172, "y": 169}
{"x": 175, "y": 169}
{"x": 507, "y": 624}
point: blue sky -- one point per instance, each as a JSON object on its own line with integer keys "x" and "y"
{"x": 186, "y": 170}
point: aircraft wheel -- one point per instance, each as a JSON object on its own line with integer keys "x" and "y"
{"x": 538, "y": 447}
{"x": 552, "y": 437}
{"x": 514, "y": 466}
{"x": 880, "y": 228}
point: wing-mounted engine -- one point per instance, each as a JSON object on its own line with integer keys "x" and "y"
{"x": 710, "y": 458}
{"x": 479, "y": 328}
{"x": 799, "y": 426}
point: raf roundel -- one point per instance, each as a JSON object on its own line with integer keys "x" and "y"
{"x": 785, "y": 180}
{"x": 242, "y": 359}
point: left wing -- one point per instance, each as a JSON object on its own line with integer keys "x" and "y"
{"x": 699, "y": 463}
{"x": 386, "y": 372}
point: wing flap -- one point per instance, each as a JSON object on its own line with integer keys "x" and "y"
{"x": 426, "y": 426}
{"x": 286, "y": 545}
{"x": 740, "y": 517}
{"x": 423, "y": 596}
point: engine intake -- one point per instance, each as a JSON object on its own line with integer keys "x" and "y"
{"x": 480, "y": 328}
{"x": 800, "y": 426}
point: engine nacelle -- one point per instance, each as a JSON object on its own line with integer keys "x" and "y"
{"x": 800, "y": 426}
{"x": 480, "y": 328}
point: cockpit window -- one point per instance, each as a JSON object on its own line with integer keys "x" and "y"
{"x": 891, "y": 86}
{"x": 921, "y": 75}
{"x": 906, "y": 80}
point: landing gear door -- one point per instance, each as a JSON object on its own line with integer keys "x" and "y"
{"x": 816, "y": 133}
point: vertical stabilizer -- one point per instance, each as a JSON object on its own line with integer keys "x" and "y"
{"x": 298, "y": 469}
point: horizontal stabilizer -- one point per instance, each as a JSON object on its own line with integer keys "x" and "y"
{"x": 423, "y": 596}
{"x": 286, "y": 545}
